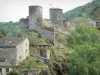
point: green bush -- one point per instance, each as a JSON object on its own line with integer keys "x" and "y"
{"x": 14, "y": 73}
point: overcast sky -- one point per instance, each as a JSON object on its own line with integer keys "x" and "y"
{"x": 13, "y": 10}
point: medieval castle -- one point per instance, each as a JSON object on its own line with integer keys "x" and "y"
{"x": 45, "y": 27}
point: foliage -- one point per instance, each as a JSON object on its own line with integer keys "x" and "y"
{"x": 85, "y": 58}
{"x": 83, "y": 35}
{"x": 31, "y": 64}
{"x": 10, "y": 28}
{"x": 44, "y": 40}
{"x": 14, "y": 73}
{"x": 58, "y": 62}
{"x": 2, "y": 33}
{"x": 89, "y": 10}
{"x": 95, "y": 12}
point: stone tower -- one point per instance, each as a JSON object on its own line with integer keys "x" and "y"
{"x": 35, "y": 16}
{"x": 56, "y": 16}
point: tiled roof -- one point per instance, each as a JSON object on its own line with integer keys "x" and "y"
{"x": 6, "y": 42}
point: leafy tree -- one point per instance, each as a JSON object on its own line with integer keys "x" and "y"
{"x": 31, "y": 63}
{"x": 44, "y": 40}
{"x": 95, "y": 12}
{"x": 85, "y": 44}
{"x": 83, "y": 35}
{"x": 2, "y": 33}
{"x": 10, "y": 28}
{"x": 14, "y": 73}
{"x": 89, "y": 10}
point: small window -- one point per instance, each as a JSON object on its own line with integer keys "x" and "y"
{"x": 0, "y": 69}
{"x": 20, "y": 57}
{"x": 58, "y": 17}
{"x": 7, "y": 69}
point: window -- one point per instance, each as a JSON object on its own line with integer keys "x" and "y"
{"x": 7, "y": 69}
{"x": 20, "y": 57}
{"x": 26, "y": 50}
{"x": 58, "y": 17}
{"x": 0, "y": 69}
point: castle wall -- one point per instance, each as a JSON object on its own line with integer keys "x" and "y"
{"x": 56, "y": 16}
{"x": 66, "y": 23}
{"x": 24, "y": 24}
{"x": 35, "y": 16}
{"x": 45, "y": 33}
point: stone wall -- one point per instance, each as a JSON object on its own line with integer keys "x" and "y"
{"x": 22, "y": 51}
{"x": 35, "y": 15}
{"x": 24, "y": 23}
{"x": 9, "y": 54}
{"x": 16, "y": 55}
{"x": 45, "y": 33}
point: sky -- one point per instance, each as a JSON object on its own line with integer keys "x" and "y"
{"x": 13, "y": 10}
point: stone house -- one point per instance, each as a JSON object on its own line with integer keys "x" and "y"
{"x": 15, "y": 50}
{"x": 5, "y": 67}
{"x": 44, "y": 51}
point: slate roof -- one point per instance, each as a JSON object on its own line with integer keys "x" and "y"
{"x": 10, "y": 42}
{"x": 2, "y": 59}
{"x": 4, "y": 63}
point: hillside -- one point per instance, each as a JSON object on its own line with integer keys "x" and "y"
{"x": 89, "y": 10}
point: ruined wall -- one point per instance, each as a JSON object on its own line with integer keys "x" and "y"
{"x": 35, "y": 16}
{"x": 24, "y": 24}
{"x": 66, "y": 23}
{"x": 45, "y": 33}
{"x": 56, "y": 16}
{"x": 97, "y": 23}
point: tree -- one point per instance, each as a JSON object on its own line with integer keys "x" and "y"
{"x": 32, "y": 64}
{"x": 95, "y": 12}
{"x": 14, "y": 73}
{"x": 85, "y": 58}
{"x": 2, "y": 33}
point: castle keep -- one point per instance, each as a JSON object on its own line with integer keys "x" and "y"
{"x": 45, "y": 27}
{"x": 35, "y": 16}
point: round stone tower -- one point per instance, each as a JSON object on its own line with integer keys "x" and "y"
{"x": 35, "y": 16}
{"x": 56, "y": 16}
